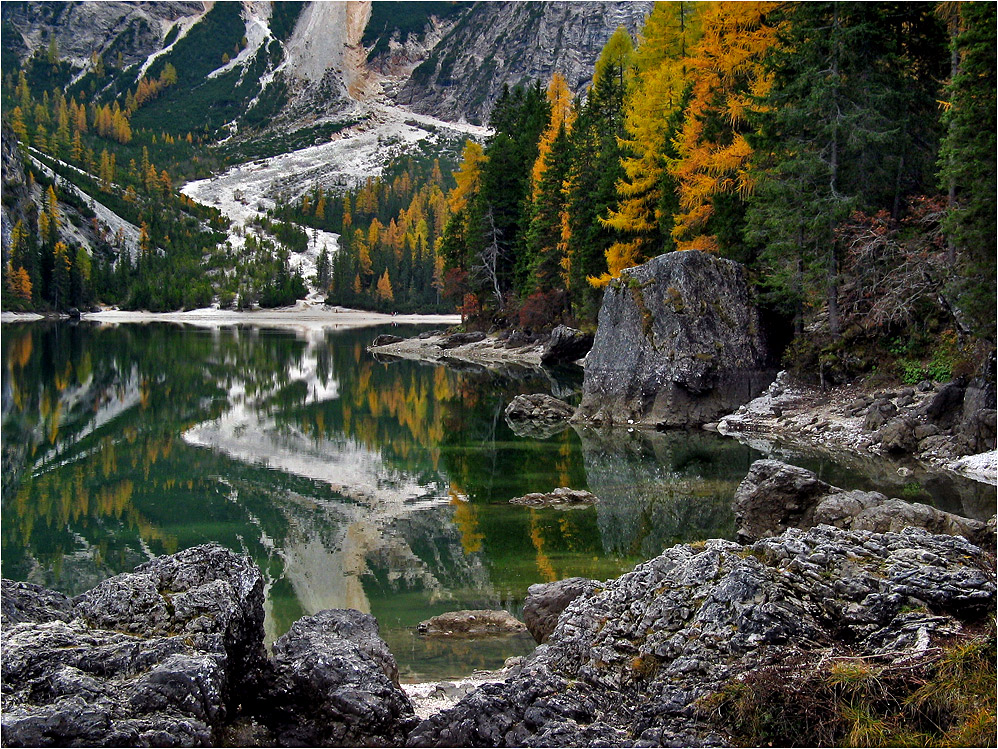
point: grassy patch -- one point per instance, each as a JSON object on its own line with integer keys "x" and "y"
{"x": 945, "y": 698}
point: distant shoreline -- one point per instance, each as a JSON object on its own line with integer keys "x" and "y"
{"x": 301, "y": 315}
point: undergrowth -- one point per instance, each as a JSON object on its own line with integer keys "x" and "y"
{"x": 946, "y": 697}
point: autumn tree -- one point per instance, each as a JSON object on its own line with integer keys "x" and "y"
{"x": 653, "y": 109}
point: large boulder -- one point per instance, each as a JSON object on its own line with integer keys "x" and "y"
{"x": 679, "y": 343}
{"x": 211, "y": 596}
{"x": 545, "y": 602}
{"x": 333, "y": 682}
{"x": 566, "y": 345}
{"x": 775, "y": 496}
{"x": 634, "y": 663}
{"x": 156, "y": 657}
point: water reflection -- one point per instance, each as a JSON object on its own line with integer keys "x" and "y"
{"x": 381, "y": 486}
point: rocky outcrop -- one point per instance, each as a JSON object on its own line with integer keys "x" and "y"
{"x": 561, "y": 497}
{"x": 775, "y": 496}
{"x": 333, "y": 682}
{"x": 471, "y": 623}
{"x": 628, "y": 665}
{"x": 545, "y": 602}
{"x": 566, "y": 345}
{"x": 678, "y": 343}
{"x": 538, "y": 415}
{"x": 172, "y": 653}
{"x": 495, "y": 43}
{"x": 157, "y": 657}
{"x": 386, "y": 339}
{"x": 80, "y": 29}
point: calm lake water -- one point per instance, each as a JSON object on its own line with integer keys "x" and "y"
{"x": 351, "y": 482}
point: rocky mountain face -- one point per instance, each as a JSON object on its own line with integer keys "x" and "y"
{"x": 509, "y": 42}
{"x": 136, "y": 30}
{"x": 298, "y": 64}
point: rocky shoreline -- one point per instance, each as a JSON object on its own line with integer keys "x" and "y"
{"x": 838, "y": 420}
{"x": 172, "y": 653}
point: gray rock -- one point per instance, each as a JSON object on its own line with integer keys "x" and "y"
{"x": 881, "y": 410}
{"x": 471, "y": 623}
{"x": 545, "y": 602}
{"x": 208, "y": 594}
{"x": 563, "y": 496}
{"x": 945, "y": 407}
{"x": 566, "y": 345}
{"x": 66, "y": 684}
{"x": 330, "y": 685}
{"x": 977, "y": 424}
{"x": 460, "y": 339}
{"x": 898, "y": 436}
{"x": 538, "y": 407}
{"x": 25, "y": 602}
{"x": 386, "y": 339}
{"x": 429, "y": 334}
{"x": 678, "y": 343}
{"x": 628, "y": 664}
{"x": 775, "y": 496}
{"x": 156, "y": 657}
{"x": 924, "y": 386}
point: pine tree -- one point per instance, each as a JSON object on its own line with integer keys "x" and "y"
{"x": 595, "y": 170}
{"x": 967, "y": 160}
{"x": 824, "y": 121}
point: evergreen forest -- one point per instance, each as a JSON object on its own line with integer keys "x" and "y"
{"x": 843, "y": 152}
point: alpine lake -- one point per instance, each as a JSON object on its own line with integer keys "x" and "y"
{"x": 351, "y": 482}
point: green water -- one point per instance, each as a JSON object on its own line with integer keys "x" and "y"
{"x": 381, "y": 486}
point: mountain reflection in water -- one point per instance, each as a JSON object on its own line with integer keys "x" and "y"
{"x": 380, "y": 486}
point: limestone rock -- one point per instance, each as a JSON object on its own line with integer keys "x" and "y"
{"x": 25, "y": 602}
{"x": 775, "y": 496}
{"x": 566, "y": 345}
{"x": 471, "y": 623}
{"x": 155, "y": 657}
{"x": 546, "y": 601}
{"x": 628, "y": 664}
{"x": 538, "y": 407}
{"x": 460, "y": 339}
{"x": 208, "y": 594}
{"x": 678, "y": 343}
{"x": 330, "y": 685}
{"x": 386, "y": 339}
{"x": 563, "y": 496}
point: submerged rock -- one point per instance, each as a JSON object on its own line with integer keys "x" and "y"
{"x": 679, "y": 343}
{"x": 471, "y": 623}
{"x": 775, "y": 496}
{"x": 566, "y": 345}
{"x": 545, "y": 602}
{"x": 563, "y": 496}
{"x": 333, "y": 682}
{"x": 629, "y": 664}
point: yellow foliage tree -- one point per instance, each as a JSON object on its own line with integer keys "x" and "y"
{"x": 560, "y": 98}
{"x": 385, "y": 287}
{"x": 654, "y": 98}
{"x": 467, "y": 177}
{"x": 712, "y": 153}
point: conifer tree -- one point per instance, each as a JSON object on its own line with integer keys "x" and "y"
{"x": 967, "y": 159}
